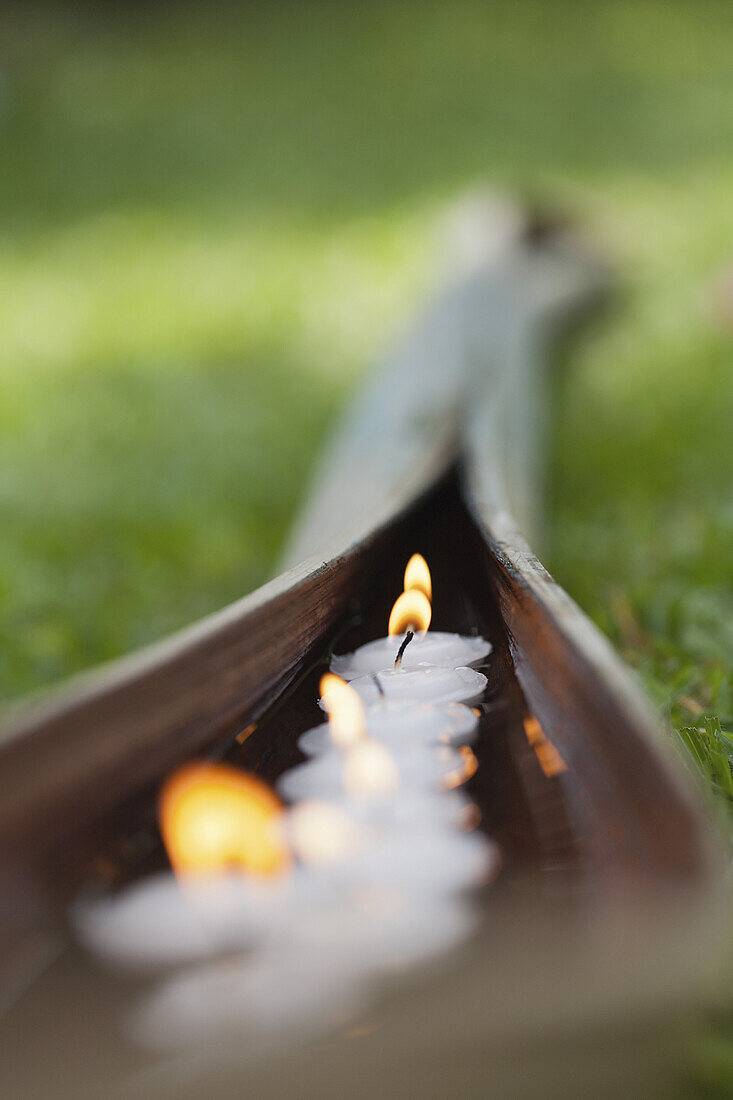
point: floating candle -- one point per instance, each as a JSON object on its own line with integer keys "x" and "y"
{"x": 410, "y": 842}
{"x": 162, "y": 921}
{"x": 213, "y": 818}
{"x": 426, "y": 861}
{"x": 300, "y": 986}
{"x": 425, "y": 684}
{"x": 423, "y": 856}
{"x": 376, "y": 926}
{"x": 398, "y": 723}
{"x": 317, "y": 899}
{"x": 366, "y": 771}
{"x": 359, "y": 773}
{"x": 255, "y": 1000}
{"x": 410, "y": 618}
{"x": 414, "y": 807}
{"x": 432, "y": 648}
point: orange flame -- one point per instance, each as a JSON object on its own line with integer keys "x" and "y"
{"x": 411, "y": 611}
{"x": 346, "y": 720}
{"x": 417, "y": 576}
{"x": 214, "y": 818}
{"x": 549, "y": 758}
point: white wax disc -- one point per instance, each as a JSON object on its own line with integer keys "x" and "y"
{"x": 375, "y": 927}
{"x": 428, "y": 861}
{"x": 424, "y": 684}
{"x": 397, "y": 723}
{"x": 265, "y": 999}
{"x": 412, "y": 808}
{"x": 306, "y": 983}
{"x": 435, "y": 647}
{"x": 428, "y": 857}
{"x": 161, "y": 922}
{"x": 323, "y": 776}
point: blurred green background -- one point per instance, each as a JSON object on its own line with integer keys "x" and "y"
{"x": 213, "y": 218}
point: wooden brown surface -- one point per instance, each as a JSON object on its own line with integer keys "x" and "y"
{"x": 78, "y": 756}
{"x": 626, "y": 792}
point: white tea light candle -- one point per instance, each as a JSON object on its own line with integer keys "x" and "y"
{"x": 397, "y": 723}
{"x": 409, "y": 641}
{"x": 431, "y": 648}
{"x": 162, "y": 921}
{"x": 427, "y": 861}
{"x": 335, "y": 774}
{"x": 425, "y": 684}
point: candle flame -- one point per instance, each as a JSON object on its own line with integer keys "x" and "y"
{"x": 346, "y": 719}
{"x": 214, "y": 818}
{"x": 417, "y": 576}
{"x": 411, "y": 611}
{"x": 321, "y": 834}
{"x": 370, "y": 770}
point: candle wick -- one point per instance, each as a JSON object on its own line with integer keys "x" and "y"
{"x": 380, "y": 689}
{"x": 398, "y": 660}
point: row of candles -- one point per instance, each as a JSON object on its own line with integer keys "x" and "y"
{"x": 277, "y": 918}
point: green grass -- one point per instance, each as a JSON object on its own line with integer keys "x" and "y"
{"x": 213, "y": 220}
